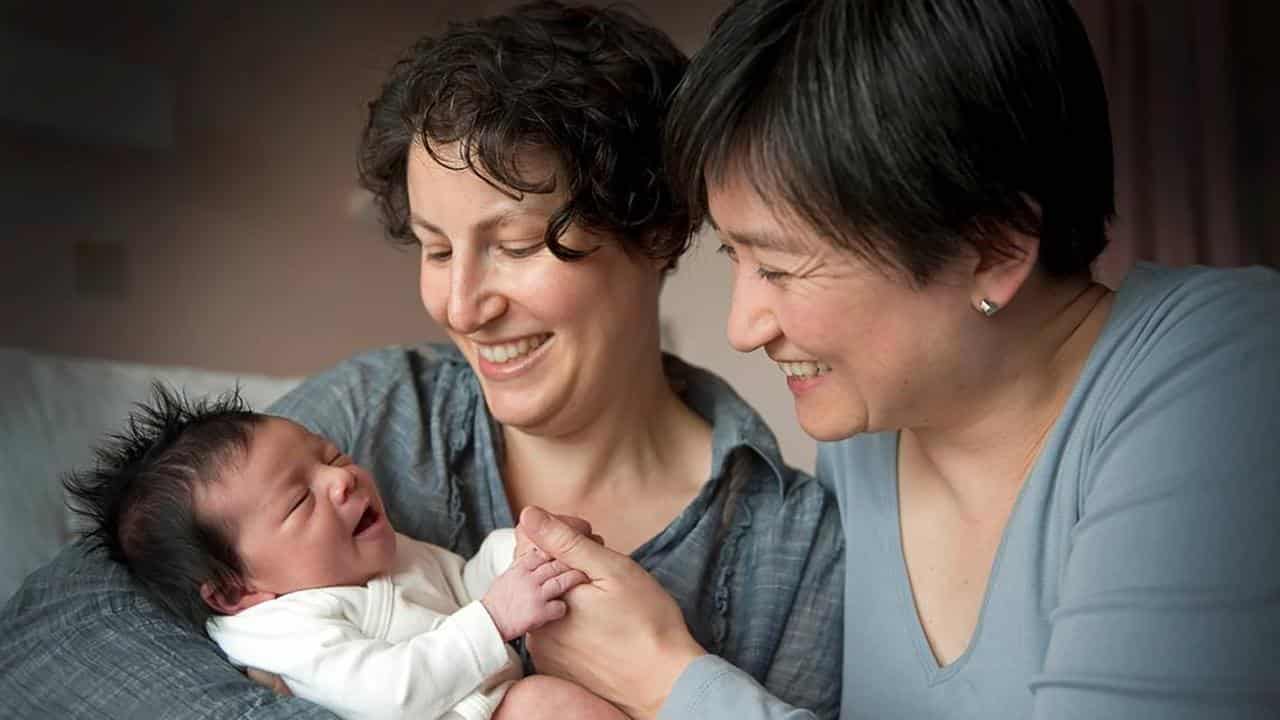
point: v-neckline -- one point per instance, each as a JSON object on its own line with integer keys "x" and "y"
{"x": 936, "y": 672}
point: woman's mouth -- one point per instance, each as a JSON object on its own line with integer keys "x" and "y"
{"x": 507, "y": 361}
{"x": 506, "y": 352}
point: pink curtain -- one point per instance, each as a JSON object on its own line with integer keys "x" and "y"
{"x": 1169, "y": 85}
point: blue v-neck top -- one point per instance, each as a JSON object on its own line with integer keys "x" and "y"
{"x": 1139, "y": 574}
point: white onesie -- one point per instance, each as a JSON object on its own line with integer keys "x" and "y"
{"x": 414, "y": 643}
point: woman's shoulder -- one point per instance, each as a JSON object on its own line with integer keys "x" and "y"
{"x": 1183, "y": 377}
{"x": 791, "y": 513}
{"x": 1158, "y": 304}
{"x": 1191, "y": 323}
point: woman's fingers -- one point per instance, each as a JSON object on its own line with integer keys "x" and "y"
{"x": 547, "y": 570}
{"x": 563, "y": 583}
{"x": 554, "y": 610}
{"x": 579, "y": 525}
{"x": 532, "y": 560}
{"x": 561, "y": 541}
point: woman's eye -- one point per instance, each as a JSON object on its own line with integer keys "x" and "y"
{"x": 773, "y": 276}
{"x": 728, "y": 252}
{"x": 437, "y": 256}
{"x": 523, "y": 251}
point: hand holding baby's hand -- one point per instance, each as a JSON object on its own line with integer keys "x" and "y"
{"x": 525, "y": 545}
{"x": 527, "y": 595}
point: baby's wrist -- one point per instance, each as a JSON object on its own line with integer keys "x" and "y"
{"x": 505, "y": 629}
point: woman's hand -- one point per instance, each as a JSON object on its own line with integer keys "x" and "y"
{"x": 623, "y": 638}
{"x": 270, "y": 681}
{"x": 579, "y": 525}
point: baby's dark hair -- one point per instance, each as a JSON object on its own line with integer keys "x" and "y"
{"x": 139, "y": 502}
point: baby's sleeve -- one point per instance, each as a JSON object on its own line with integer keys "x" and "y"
{"x": 324, "y": 657}
{"x": 494, "y": 558}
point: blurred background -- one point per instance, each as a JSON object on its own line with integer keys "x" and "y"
{"x": 179, "y": 185}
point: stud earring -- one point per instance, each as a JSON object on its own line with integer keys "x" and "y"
{"x": 987, "y": 307}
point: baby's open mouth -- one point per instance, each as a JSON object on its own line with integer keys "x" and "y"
{"x": 367, "y": 519}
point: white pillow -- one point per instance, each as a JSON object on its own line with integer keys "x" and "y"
{"x": 53, "y": 411}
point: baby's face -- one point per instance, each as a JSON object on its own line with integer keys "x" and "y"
{"x": 301, "y": 513}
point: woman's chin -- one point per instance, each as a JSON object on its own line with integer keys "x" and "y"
{"x": 826, "y": 424}
{"x": 520, "y": 413}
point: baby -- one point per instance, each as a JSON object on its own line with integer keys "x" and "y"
{"x": 272, "y": 540}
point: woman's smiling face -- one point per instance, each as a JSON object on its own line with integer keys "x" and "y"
{"x": 550, "y": 340}
{"x": 862, "y": 350}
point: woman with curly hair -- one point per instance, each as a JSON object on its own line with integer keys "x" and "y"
{"x": 522, "y": 155}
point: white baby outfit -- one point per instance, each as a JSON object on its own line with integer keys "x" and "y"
{"x": 413, "y": 643}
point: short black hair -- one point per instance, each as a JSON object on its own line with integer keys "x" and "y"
{"x": 138, "y": 503}
{"x": 590, "y": 84}
{"x": 902, "y": 129}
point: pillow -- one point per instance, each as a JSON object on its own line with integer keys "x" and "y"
{"x": 54, "y": 411}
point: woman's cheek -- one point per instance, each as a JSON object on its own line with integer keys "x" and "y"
{"x": 552, "y": 288}
{"x": 433, "y": 290}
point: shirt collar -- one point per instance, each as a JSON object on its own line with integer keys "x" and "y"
{"x": 734, "y": 423}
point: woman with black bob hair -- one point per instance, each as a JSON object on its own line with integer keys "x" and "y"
{"x": 521, "y": 155}
{"x": 1059, "y": 499}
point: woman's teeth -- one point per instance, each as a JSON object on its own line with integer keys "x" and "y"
{"x": 804, "y": 369}
{"x": 507, "y": 352}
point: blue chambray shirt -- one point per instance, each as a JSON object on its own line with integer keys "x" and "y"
{"x": 755, "y": 561}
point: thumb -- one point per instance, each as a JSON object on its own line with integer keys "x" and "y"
{"x": 561, "y": 541}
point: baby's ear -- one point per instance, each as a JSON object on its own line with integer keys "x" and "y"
{"x": 230, "y": 602}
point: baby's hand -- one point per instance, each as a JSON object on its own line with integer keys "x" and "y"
{"x": 527, "y": 595}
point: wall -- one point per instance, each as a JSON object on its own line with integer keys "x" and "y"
{"x": 240, "y": 245}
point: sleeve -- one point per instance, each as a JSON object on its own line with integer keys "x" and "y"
{"x": 1169, "y": 604}
{"x": 79, "y": 641}
{"x": 329, "y": 661}
{"x": 493, "y": 559}
{"x": 713, "y": 689}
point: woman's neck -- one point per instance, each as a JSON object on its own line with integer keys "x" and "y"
{"x": 1007, "y": 415}
{"x": 644, "y": 441}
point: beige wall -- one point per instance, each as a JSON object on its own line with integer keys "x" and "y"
{"x": 236, "y": 248}
{"x": 245, "y": 245}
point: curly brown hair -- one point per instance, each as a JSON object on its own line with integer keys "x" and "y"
{"x": 592, "y": 85}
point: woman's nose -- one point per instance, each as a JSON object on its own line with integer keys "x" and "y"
{"x": 751, "y": 321}
{"x": 473, "y": 301}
